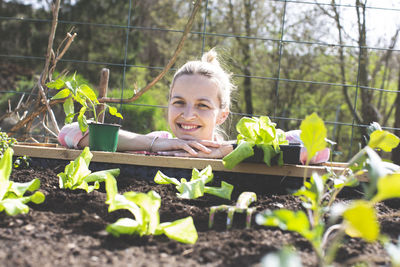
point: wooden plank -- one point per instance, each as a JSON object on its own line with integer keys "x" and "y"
{"x": 176, "y": 162}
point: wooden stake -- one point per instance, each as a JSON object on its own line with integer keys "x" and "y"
{"x": 103, "y": 87}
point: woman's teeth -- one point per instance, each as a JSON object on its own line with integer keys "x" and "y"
{"x": 188, "y": 127}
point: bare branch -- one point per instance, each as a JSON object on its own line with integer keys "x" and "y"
{"x": 171, "y": 62}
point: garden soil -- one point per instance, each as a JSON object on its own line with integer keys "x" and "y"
{"x": 68, "y": 229}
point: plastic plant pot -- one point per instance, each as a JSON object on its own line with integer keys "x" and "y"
{"x": 103, "y": 136}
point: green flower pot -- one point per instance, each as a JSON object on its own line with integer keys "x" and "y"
{"x": 103, "y": 136}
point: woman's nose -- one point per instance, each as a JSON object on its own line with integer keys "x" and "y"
{"x": 189, "y": 112}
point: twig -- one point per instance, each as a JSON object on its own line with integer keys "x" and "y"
{"x": 55, "y": 9}
{"x": 49, "y": 110}
{"x": 70, "y": 38}
{"x": 29, "y": 118}
{"x": 166, "y": 68}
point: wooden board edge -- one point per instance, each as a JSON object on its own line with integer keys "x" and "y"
{"x": 176, "y": 162}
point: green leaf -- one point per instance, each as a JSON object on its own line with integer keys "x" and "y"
{"x": 361, "y": 221}
{"x": 20, "y": 188}
{"x": 113, "y": 111}
{"x": 68, "y": 106}
{"x": 83, "y": 126}
{"x": 313, "y": 134}
{"x": 225, "y": 191}
{"x": 149, "y": 204}
{"x": 267, "y": 130}
{"x": 62, "y": 94}
{"x": 192, "y": 189}
{"x": 248, "y": 128}
{"x": 37, "y": 197}
{"x": 241, "y": 152}
{"x": 269, "y": 153}
{"x": 57, "y": 84}
{"x": 161, "y": 178}
{"x": 383, "y": 140}
{"x": 207, "y": 172}
{"x": 388, "y": 187}
{"x": 101, "y": 176}
{"x": 123, "y": 226}
{"x": 5, "y": 171}
{"x": 182, "y": 230}
{"x": 285, "y": 219}
{"x": 13, "y": 206}
{"x": 88, "y": 92}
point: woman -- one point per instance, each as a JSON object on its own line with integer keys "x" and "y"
{"x": 199, "y": 101}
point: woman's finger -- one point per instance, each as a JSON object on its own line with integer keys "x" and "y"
{"x": 209, "y": 143}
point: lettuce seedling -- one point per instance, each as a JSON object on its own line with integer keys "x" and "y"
{"x": 358, "y": 218}
{"x": 144, "y": 207}
{"x": 259, "y": 132}
{"x": 78, "y": 176}
{"x": 12, "y": 199}
{"x": 196, "y": 187}
{"x": 242, "y": 206}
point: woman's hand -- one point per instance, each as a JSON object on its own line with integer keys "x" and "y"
{"x": 188, "y": 147}
{"x": 215, "y": 152}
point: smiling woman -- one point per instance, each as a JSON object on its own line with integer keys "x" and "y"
{"x": 199, "y": 102}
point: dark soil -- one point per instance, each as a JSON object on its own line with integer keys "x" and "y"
{"x": 68, "y": 228}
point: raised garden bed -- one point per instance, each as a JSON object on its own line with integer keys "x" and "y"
{"x": 68, "y": 228}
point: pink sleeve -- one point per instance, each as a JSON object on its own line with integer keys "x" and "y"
{"x": 70, "y": 135}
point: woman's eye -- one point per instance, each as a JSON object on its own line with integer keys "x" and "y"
{"x": 178, "y": 103}
{"x": 203, "y": 106}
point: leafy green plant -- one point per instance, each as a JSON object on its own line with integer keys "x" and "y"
{"x": 358, "y": 218}
{"x": 144, "y": 207}
{"x": 72, "y": 90}
{"x": 78, "y": 176}
{"x": 12, "y": 199}
{"x": 259, "y": 132}
{"x": 196, "y": 187}
{"x": 5, "y": 142}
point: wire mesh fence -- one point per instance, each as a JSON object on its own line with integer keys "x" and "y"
{"x": 288, "y": 58}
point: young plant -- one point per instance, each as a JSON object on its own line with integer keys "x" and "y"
{"x": 12, "y": 199}
{"x": 259, "y": 132}
{"x": 8, "y": 142}
{"x": 78, "y": 176}
{"x": 242, "y": 206}
{"x": 318, "y": 194}
{"x": 72, "y": 90}
{"x": 5, "y": 142}
{"x": 144, "y": 207}
{"x": 196, "y": 187}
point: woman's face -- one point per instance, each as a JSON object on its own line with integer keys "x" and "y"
{"x": 194, "y": 108}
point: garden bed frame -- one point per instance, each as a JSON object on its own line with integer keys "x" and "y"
{"x": 54, "y": 151}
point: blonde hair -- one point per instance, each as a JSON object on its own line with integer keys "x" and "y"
{"x": 210, "y": 67}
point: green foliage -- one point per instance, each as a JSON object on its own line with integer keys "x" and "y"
{"x": 359, "y": 218}
{"x": 260, "y": 132}
{"x": 196, "y": 187}
{"x": 12, "y": 199}
{"x": 361, "y": 221}
{"x": 144, "y": 207}
{"x": 5, "y": 142}
{"x": 71, "y": 90}
{"x": 78, "y": 176}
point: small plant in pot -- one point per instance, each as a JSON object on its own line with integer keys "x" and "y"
{"x": 102, "y": 136}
